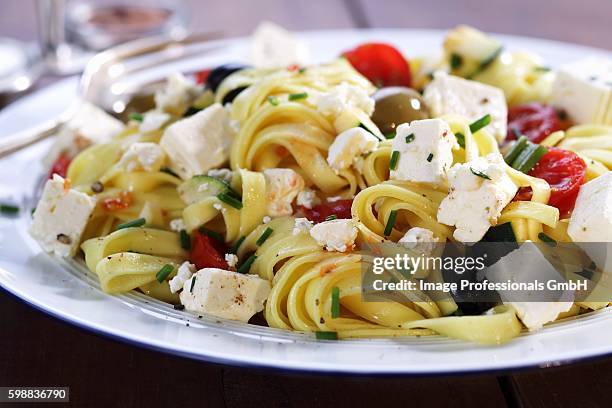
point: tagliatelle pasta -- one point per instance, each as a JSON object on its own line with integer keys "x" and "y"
{"x": 275, "y": 190}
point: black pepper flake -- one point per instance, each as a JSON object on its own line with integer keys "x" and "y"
{"x": 64, "y": 239}
{"x": 97, "y": 187}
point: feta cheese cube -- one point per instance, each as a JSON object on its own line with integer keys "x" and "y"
{"x": 335, "y": 235}
{"x": 343, "y": 97}
{"x": 177, "y": 95}
{"x": 61, "y": 217}
{"x": 425, "y": 151}
{"x": 198, "y": 143}
{"x": 348, "y": 146}
{"x": 90, "y": 125}
{"x": 478, "y": 192}
{"x": 177, "y": 225}
{"x": 448, "y": 94}
{"x": 153, "y": 120}
{"x": 273, "y": 47}
{"x": 225, "y": 294}
{"x": 419, "y": 239}
{"x": 591, "y": 220}
{"x": 282, "y": 187}
{"x": 232, "y": 260}
{"x": 143, "y": 157}
{"x": 307, "y": 198}
{"x": 301, "y": 225}
{"x": 184, "y": 273}
{"x": 527, "y": 265}
{"x": 583, "y": 89}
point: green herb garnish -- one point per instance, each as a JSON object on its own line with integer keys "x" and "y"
{"x": 168, "y": 171}
{"x": 229, "y": 200}
{"x": 136, "y": 116}
{"x": 163, "y": 273}
{"x": 479, "y": 174}
{"x": 529, "y": 157}
{"x": 266, "y": 234}
{"x": 394, "y": 159}
{"x": 192, "y": 284}
{"x": 410, "y": 138}
{"x": 485, "y": 63}
{"x": 326, "y": 335}
{"x": 331, "y": 217}
{"x": 8, "y": 209}
{"x": 430, "y": 157}
{"x": 273, "y": 100}
{"x": 480, "y": 123}
{"x": 545, "y": 238}
{"x": 297, "y": 96}
{"x": 390, "y": 135}
{"x": 236, "y": 246}
{"x": 213, "y": 234}
{"x": 390, "y": 223}
{"x": 244, "y": 268}
{"x": 335, "y": 305}
{"x": 460, "y": 139}
{"x": 515, "y": 150}
{"x": 455, "y": 61}
{"x": 139, "y": 222}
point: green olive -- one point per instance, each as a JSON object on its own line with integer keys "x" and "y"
{"x": 396, "y": 105}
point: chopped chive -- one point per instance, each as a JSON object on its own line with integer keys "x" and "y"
{"x": 301, "y": 70}
{"x": 229, "y": 200}
{"x": 8, "y": 209}
{"x": 529, "y": 157}
{"x": 326, "y": 335}
{"x": 479, "y": 174}
{"x": 136, "y": 116}
{"x": 516, "y": 149}
{"x": 164, "y": 272}
{"x": 298, "y": 96}
{"x": 192, "y": 284}
{"x": 455, "y": 61}
{"x": 460, "y": 139}
{"x": 185, "y": 240}
{"x": 213, "y": 234}
{"x": 480, "y": 123}
{"x": 545, "y": 238}
{"x": 516, "y": 132}
{"x": 485, "y": 63}
{"x": 331, "y": 217}
{"x": 390, "y": 223}
{"x": 364, "y": 127}
{"x": 139, "y": 222}
{"x": 394, "y": 160}
{"x": 335, "y": 305}
{"x": 390, "y": 135}
{"x": 236, "y": 246}
{"x": 430, "y": 157}
{"x": 244, "y": 268}
{"x": 410, "y": 138}
{"x": 192, "y": 110}
{"x": 273, "y": 100}
{"x": 266, "y": 234}
{"x": 542, "y": 69}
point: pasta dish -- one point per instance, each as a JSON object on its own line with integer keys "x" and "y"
{"x": 249, "y": 189}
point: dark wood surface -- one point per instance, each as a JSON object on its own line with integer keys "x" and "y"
{"x": 38, "y": 350}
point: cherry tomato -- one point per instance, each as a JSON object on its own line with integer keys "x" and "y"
{"x": 565, "y": 172}
{"x": 381, "y": 63}
{"x": 122, "y": 201}
{"x": 202, "y": 76}
{"x": 534, "y": 120}
{"x": 206, "y": 252}
{"x": 60, "y": 166}
{"x": 318, "y": 213}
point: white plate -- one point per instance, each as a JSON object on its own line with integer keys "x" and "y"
{"x": 69, "y": 292}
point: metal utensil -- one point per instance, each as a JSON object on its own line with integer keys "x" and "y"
{"x": 105, "y": 68}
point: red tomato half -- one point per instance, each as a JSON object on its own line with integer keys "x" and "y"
{"x": 206, "y": 252}
{"x": 534, "y": 120}
{"x": 318, "y": 213}
{"x": 565, "y": 172}
{"x": 381, "y": 63}
{"x": 60, "y": 166}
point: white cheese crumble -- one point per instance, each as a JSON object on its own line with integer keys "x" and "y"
{"x": 266, "y": 219}
{"x": 282, "y": 187}
{"x": 335, "y": 235}
{"x": 478, "y": 192}
{"x": 177, "y": 224}
{"x": 143, "y": 157}
{"x": 222, "y": 174}
{"x": 343, "y": 97}
{"x": 184, "y": 273}
{"x": 307, "y": 198}
{"x": 177, "y": 95}
{"x": 153, "y": 120}
{"x": 419, "y": 239}
{"x": 348, "y": 146}
{"x": 301, "y": 225}
{"x": 232, "y": 260}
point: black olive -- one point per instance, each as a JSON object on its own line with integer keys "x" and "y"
{"x": 218, "y": 74}
{"x": 231, "y": 95}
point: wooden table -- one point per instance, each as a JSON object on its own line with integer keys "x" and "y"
{"x": 38, "y": 350}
